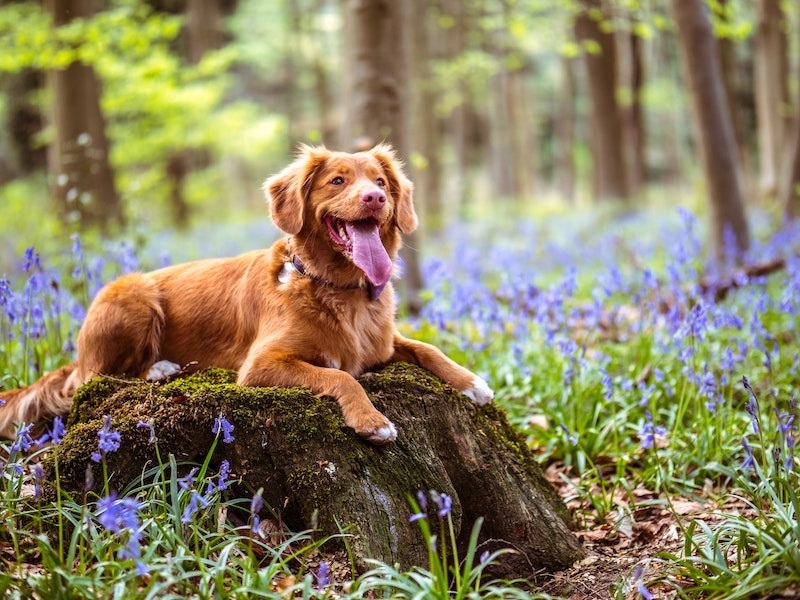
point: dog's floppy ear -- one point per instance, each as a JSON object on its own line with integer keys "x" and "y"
{"x": 287, "y": 191}
{"x": 399, "y": 185}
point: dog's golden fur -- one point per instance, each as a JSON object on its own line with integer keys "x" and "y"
{"x": 310, "y": 311}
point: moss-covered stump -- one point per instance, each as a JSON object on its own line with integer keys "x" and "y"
{"x": 314, "y": 469}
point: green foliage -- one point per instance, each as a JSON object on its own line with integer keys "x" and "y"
{"x": 156, "y": 106}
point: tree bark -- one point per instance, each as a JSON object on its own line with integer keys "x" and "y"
{"x": 734, "y": 88}
{"x": 565, "y": 132}
{"x": 376, "y": 98}
{"x": 633, "y": 117}
{"x": 78, "y": 158}
{"x": 315, "y": 471}
{"x": 607, "y": 142}
{"x": 714, "y": 127}
{"x": 790, "y": 190}
{"x": 426, "y": 130}
{"x": 772, "y": 94}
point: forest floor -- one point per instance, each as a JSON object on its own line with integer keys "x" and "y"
{"x": 648, "y": 529}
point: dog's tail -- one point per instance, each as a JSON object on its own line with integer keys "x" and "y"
{"x": 48, "y": 397}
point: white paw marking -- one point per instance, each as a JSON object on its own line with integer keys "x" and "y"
{"x": 479, "y": 392}
{"x": 161, "y": 370}
{"x": 384, "y": 435}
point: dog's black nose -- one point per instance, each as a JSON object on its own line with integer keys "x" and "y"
{"x": 374, "y": 199}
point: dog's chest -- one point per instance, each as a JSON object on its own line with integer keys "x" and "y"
{"x": 359, "y": 339}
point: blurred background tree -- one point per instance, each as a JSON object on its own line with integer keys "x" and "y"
{"x": 154, "y": 114}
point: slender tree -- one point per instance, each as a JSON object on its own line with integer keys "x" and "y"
{"x": 426, "y": 138}
{"x": 593, "y": 29}
{"x": 78, "y": 158}
{"x": 790, "y": 190}
{"x": 713, "y": 124}
{"x": 565, "y": 131}
{"x": 772, "y": 92}
{"x": 375, "y": 97}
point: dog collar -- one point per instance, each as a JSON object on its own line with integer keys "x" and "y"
{"x": 295, "y": 264}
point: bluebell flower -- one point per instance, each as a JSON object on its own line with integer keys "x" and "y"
{"x": 323, "y": 575}
{"x": 121, "y": 517}
{"x": 607, "y": 384}
{"x": 23, "y": 440}
{"x": 57, "y": 430}
{"x": 38, "y": 478}
{"x": 749, "y": 460}
{"x": 222, "y": 424}
{"x": 256, "y": 504}
{"x": 32, "y": 260}
{"x": 648, "y": 432}
{"x": 151, "y": 428}
{"x": 109, "y": 440}
{"x": 196, "y": 503}
{"x": 573, "y": 439}
{"x": 187, "y": 482}
{"x": 224, "y": 473}
{"x": 443, "y": 502}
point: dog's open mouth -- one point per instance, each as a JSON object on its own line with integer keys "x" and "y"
{"x": 361, "y": 242}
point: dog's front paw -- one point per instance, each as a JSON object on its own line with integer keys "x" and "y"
{"x": 377, "y": 429}
{"x": 479, "y": 392}
{"x": 161, "y": 370}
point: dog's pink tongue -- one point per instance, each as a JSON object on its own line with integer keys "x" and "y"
{"x": 369, "y": 255}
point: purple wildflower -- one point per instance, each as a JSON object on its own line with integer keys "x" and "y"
{"x": 187, "y": 482}
{"x": 121, "y": 517}
{"x": 323, "y": 575}
{"x": 54, "y": 433}
{"x": 256, "y": 504}
{"x": 109, "y": 440}
{"x": 222, "y": 424}
{"x": 224, "y": 473}
{"x": 38, "y": 478}
{"x": 749, "y": 460}
{"x": 648, "y": 432}
{"x": 752, "y": 406}
{"x": 151, "y": 428}
{"x": 639, "y": 584}
{"x": 196, "y": 503}
{"x": 23, "y": 441}
{"x": 444, "y": 504}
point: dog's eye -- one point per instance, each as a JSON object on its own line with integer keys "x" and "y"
{"x": 337, "y": 180}
{"x": 380, "y": 182}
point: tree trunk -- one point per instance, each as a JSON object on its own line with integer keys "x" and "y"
{"x": 376, "y": 99}
{"x": 565, "y": 132}
{"x": 317, "y": 474}
{"x": 733, "y": 91}
{"x": 426, "y": 136}
{"x": 201, "y": 34}
{"x": 633, "y": 117}
{"x": 607, "y": 142}
{"x": 790, "y": 191}
{"x": 714, "y": 127}
{"x": 78, "y": 159}
{"x": 771, "y": 70}
{"x": 23, "y": 123}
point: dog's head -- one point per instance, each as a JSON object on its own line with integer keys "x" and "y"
{"x": 345, "y": 205}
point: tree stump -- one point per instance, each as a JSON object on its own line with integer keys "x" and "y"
{"x": 315, "y": 470}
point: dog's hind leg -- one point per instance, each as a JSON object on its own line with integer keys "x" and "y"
{"x": 122, "y": 332}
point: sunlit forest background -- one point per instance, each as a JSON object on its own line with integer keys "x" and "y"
{"x": 144, "y": 116}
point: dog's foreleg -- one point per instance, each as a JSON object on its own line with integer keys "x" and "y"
{"x": 434, "y": 360}
{"x": 275, "y": 368}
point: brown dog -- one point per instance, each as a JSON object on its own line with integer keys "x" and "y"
{"x": 315, "y": 310}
